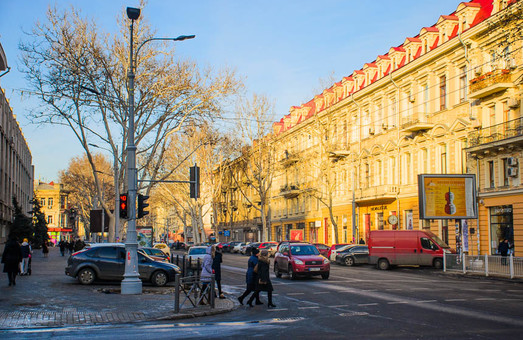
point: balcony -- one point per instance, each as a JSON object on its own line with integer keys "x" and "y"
{"x": 377, "y": 194}
{"x": 289, "y": 159}
{"x": 290, "y": 191}
{"x": 496, "y": 136}
{"x": 338, "y": 151}
{"x": 490, "y": 82}
{"x": 413, "y": 124}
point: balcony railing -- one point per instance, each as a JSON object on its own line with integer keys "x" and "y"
{"x": 377, "y": 193}
{"x": 289, "y": 158}
{"x": 490, "y": 82}
{"x": 290, "y": 191}
{"x": 494, "y": 133}
{"x": 415, "y": 123}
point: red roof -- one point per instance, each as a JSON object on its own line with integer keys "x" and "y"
{"x": 454, "y": 32}
{"x": 414, "y": 39}
{"x": 371, "y": 65}
{"x": 449, "y": 17}
{"x": 398, "y": 49}
{"x": 418, "y": 52}
{"x": 431, "y": 29}
{"x": 435, "y": 43}
{"x": 384, "y": 57}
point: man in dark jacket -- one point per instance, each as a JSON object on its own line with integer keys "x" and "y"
{"x": 503, "y": 250}
{"x": 11, "y": 259}
{"x": 217, "y": 268}
{"x": 251, "y": 277}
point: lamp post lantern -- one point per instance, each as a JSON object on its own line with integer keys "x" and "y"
{"x": 131, "y": 283}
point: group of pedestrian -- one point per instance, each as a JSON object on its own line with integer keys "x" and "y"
{"x": 70, "y": 246}
{"x": 211, "y": 264}
{"x": 258, "y": 278}
{"x": 16, "y": 259}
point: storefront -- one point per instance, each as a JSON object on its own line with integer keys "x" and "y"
{"x": 501, "y": 226}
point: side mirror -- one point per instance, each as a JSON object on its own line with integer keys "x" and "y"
{"x": 286, "y": 253}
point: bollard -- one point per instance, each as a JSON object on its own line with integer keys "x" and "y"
{"x": 444, "y": 261}
{"x": 177, "y": 293}
{"x": 184, "y": 271}
{"x": 486, "y": 264}
{"x": 511, "y": 266}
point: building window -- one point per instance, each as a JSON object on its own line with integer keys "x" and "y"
{"x": 463, "y": 84}
{"x": 50, "y": 203}
{"x": 505, "y": 171}
{"x": 423, "y": 161}
{"x": 501, "y": 226}
{"x": 42, "y": 202}
{"x": 49, "y": 219}
{"x": 442, "y": 92}
{"x": 426, "y": 99}
{"x": 443, "y": 159}
{"x": 491, "y": 183}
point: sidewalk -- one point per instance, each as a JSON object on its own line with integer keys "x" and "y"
{"x": 49, "y": 298}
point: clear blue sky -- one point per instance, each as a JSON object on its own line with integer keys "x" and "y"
{"x": 281, "y": 48}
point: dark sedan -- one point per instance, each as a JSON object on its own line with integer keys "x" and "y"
{"x": 353, "y": 255}
{"x": 107, "y": 262}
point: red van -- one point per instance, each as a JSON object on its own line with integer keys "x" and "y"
{"x": 406, "y": 247}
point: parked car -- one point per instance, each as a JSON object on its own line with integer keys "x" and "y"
{"x": 323, "y": 248}
{"x": 107, "y": 262}
{"x": 300, "y": 259}
{"x": 272, "y": 248}
{"x": 163, "y": 247}
{"x": 331, "y": 255}
{"x": 237, "y": 248}
{"x": 195, "y": 253}
{"x": 352, "y": 255}
{"x": 156, "y": 254}
{"x": 249, "y": 247}
{"x": 243, "y": 248}
{"x": 406, "y": 247}
{"x": 231, "y": 246}
{"x": 266, "y": 245}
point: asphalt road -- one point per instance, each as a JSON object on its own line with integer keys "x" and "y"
{"x": 356, "y": 302}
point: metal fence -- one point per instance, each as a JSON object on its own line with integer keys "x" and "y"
{"x": 191, "y": 292}
{"x": 489, "y": 265}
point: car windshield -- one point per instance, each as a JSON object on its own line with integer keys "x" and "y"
{"x": 440, "y": 242}
{"x": 304, "y": 250}
{"x": 197, "y": 251}
{"x": 157, "y": 252}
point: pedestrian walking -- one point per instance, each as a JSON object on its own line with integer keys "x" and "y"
{"x": 26, "y": 256}
{"x": 263, "y": 284}
{"x": 250, "y": 278}
{"x": 206, "y": 273}
{"x": 70, "y": 246}
{"x": 503, "y": 250}
{"x": 11, "y": 259}
{"x": 362, "y": 241}
{"x": 61, "y": 244}
{"x": 45, "y": 249}
{"x": 217, "y": 269}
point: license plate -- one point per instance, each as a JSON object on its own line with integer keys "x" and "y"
{"x": 314, "y": 269}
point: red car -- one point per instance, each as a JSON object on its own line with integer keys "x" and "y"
{"x": 300, "y": 259}
{"x": 331, "y": 255}
{"x": 323, "y": 249}
{"x": 266, "y": 245}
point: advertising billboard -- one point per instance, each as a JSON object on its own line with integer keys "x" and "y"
{"x": 144, "y": 236}
{"x": 447, "y": 196}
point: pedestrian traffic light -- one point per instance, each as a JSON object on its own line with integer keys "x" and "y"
{"x": 142, "y": 205}
{"x": 194, "y": 181}
{"x": 123, "y": 205}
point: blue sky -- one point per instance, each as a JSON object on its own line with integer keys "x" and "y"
{"x": 280, "y": 48}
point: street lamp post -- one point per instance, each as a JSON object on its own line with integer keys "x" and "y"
{"x": 131, "y": 283}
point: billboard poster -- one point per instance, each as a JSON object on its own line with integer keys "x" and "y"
{"x": 297, "y": 234}
{"x": 447, "y": 196}
{"x": 144, "y": 236}
{"x": 409, "y": 220}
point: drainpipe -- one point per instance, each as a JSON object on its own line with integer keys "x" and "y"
{"x": 354, "y": 236}
{"x": 399, "y": 152}
{"x": 477, "y": 204}
{"x": 471, "y": 117}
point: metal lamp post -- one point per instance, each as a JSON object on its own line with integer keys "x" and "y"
{"x": 131, "y": 283}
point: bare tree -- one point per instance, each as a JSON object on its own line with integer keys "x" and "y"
{"x": 79, "y": 75}
{"x": 257, "y": 166}
{"x": 78, "y": 180}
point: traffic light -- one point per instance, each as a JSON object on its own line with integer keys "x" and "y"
{"x": 123, "y": 205}
{"x": 142, "y": 205}
{"x": 194, "y": 179}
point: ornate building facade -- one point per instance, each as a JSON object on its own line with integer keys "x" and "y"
{"x": 16, "y": 170}
{"x": 60, "y": 217}
{"x": 446, "y": 101}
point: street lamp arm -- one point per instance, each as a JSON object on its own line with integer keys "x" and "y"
{"x": 179, "y": 38}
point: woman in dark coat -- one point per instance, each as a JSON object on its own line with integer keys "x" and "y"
{"x": 263, "y": 284}
{"x": 217, "y": 268}
{"x": 11, "y": 259}
{"x": 251, "y": 277}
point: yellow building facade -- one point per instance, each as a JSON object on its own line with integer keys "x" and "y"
{"x": 446, "y": 101}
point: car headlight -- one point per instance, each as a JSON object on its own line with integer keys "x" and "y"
{"x": 298, "y": 261}
{"x": 325, "y": 260}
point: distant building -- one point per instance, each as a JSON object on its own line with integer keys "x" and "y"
{"x": 16, "y": 171}
{"x": 61, "y": 223}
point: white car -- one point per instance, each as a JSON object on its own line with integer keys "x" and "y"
{"x": 195, "y": 253}
{"x": 237, "y": 248}
{"x": 335, "y": 251}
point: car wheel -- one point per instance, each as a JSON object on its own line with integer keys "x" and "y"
{"x": 159, "y": 278}
{"x": 325, "y": 276}
{"x": 277, "y": 271}
{"x": 383, "y": 264}
{"x": 291, "y": 273}
{"x": 349, "y": 261}
{"x": 86, "y": 276}
{"x": 438, "y": 263}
